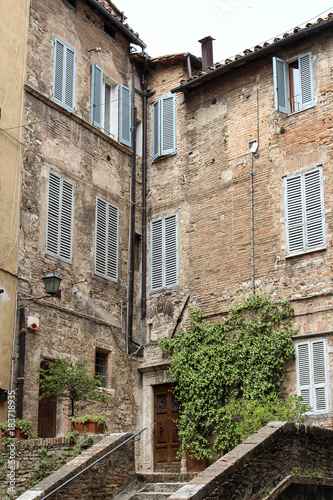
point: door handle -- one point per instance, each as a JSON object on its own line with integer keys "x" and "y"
{"x": 161, "y": 428}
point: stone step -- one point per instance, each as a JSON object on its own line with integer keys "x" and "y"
{"x": 151, "y": 495}
{"x": 163, "y": 487}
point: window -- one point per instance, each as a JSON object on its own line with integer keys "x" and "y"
{"x": 59, "y": 217}
{"x": 304, "y": 212}
{"x": 311, "y": 367}
{"x": 164, "y": 253}
{"x": 110, "y": 104}
{"x": 293, "y": 84}
{"x": 164, "y": 126}
{"x": 64, "y": 75}
{"x": 106, "y": 250}
{"x": 101, "y": 366}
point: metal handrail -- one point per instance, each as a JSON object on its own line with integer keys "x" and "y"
{"x": 91, "y": 465}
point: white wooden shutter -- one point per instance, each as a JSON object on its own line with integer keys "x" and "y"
{"x": 171, "y": 251}
{"x": 314, "y": 210}
{"x": 320, "y": 399}
{"x": 70, "y": 79}
{"x": 59, "y": 217}
{"x": 295, "y": 235}
{"x": 280, "y": 77}
{"x": 156, "y": 129}
{"x": 306, "y": 80}
{"x": 156, "y": 254}
{"x": 124, "y": 115}
{"x": 168, "y": 125}
{"x": 304, "y": 372}
{"x": 106, "y": 241}
{"x": 96, "y": 95}
{"x": 58, "y": 73}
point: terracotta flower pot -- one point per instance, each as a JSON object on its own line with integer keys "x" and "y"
{"x": 19, "y": 435}
{"x": 90, "y": 426}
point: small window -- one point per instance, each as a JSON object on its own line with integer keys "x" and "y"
{"x": 59, "y": 221}
{"x": 64, "y": 75}
{"x": 106, "y": 247}
{"x": 312, "y": 379}
{"x": 164, "y": 253}
{"x": 304, "y": 212}
{"x": 164, "y": 126}
{"x": 101, "y": 366}
{"x": 293, "y": 84}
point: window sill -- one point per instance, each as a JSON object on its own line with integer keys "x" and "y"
{"x": 298, "y": 111}
{"x": 306, "y": 252}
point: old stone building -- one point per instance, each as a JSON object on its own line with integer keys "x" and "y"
{"x": 153, "y": 185}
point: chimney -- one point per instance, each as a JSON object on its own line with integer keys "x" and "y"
{"x": 207, "y": 52}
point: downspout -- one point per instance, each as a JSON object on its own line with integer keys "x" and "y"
{"x": 130, "y": 290}
{"x": 21, "y": 358}
{"x": 254, "y": 147}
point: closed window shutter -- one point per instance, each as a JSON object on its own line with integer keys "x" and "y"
{"x": 70, "y": 79}
{"x": 319, "y": 376}
{"x": 171, "y": 264}
{"x": 306, "y": 79}
{"x": 156, "y": 129}
{"x": 59, "y": 217}
{"x": 66, "y": 220}
{"x": 280, "y": 85}
{"x": 156, "y": 249}
{"x": 106, "y": 245}
{"x": 303, "y": 372}
{"x": 168, "y": 124}
{"x": 314, "y": 210}
{"x": 96, "y": 96}
{"x": 53, "y": 214}
{"x": 124, "y": 115}
{"x": 58, "y": 75}
{"x": 294, "y": 215}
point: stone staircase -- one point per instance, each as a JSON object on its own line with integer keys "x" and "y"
{"x": 155, "y": 486}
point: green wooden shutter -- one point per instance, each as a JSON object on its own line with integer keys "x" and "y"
{"x": 168, "y": 125}
{"x": 171, "y": 251}
{"x": 112, "y": 262}
{"x": 64, "y": 75}
{"x": 156, "y": 129}
{"x": 306, "y": 80}
{"x": 156, "y": 254}
{"x": 96, "y": 95}
{"x": 280, "y": 77}
{"x": 106, "y": 240}
{"x": 314, "y": 209}
{"x": 295, "y": 230}
{"x": 124, "y": 115}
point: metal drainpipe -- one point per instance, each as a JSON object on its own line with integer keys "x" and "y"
{"x": 130, "y": 292}
{"x": 252, "y": 228}
{"x": 21, "y": 357}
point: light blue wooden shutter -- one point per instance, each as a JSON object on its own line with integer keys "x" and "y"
{"x": 156, "y": 254}
{"x": 59, "y": 217}
{"x": 320, "y": 396}
{"x": 295, "y": 230}
{"x": 53, "y": 214}
{"x": 306, "y": 80}
{"x": 96, "y": 96}
{"x": 124, "y": 115}
{"x": 106, "y": 242}
{"x": 314, "y": 209}
{"x": 303, "y": 370}
{"x": 70, "y": 79}
{"x": 280, "y": 77}
{"x": 156, "y": 129}
{"x": 168, "y": 125}
{"x": 112, "y": 262}
{"x": 58, "y": 73}
{"x": 171, "y": 251}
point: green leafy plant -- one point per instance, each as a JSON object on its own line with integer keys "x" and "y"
{"x": 72, "y": 435}
{"x": 96, "y": 417}
{"x": 228, "y": 375}
{"x": 43, "y": 467}
{"x": 68, "y": 380}
{"x": 23, "y": 424}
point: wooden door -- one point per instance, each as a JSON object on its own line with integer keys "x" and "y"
{"x": 47, "y": 408}
{"x": 166, "y": 411}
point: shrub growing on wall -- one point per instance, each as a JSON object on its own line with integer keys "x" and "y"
{"x": 228, "y": 375}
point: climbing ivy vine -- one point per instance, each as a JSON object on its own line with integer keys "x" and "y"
{"x": 228, "y": 375}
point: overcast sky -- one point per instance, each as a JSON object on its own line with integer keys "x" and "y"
{"x": 174, "y": 26}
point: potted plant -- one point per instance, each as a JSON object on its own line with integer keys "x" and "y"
{"x": 91, "y": 423}
{"x": 23, "y": 429}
